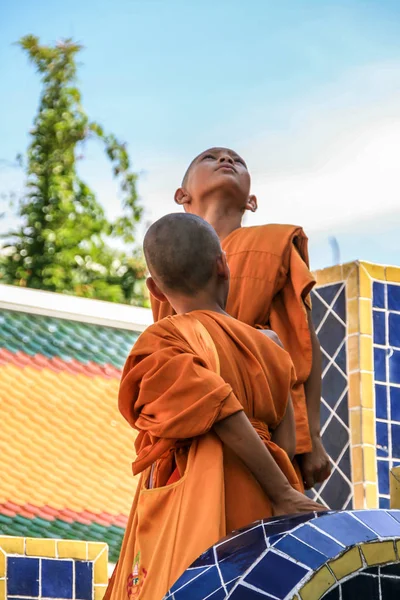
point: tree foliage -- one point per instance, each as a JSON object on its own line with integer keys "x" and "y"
{"x": 63, "y": 242}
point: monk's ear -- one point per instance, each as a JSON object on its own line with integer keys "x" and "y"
{"x": 182, "y": 197}
{"x": 222, "y": 267}
{"x": 155, "y": 290}
{"x": 251, "y": 203}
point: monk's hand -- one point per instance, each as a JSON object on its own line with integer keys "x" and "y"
{"x": 295, "y": 502}
{"x": 315, "y": 466}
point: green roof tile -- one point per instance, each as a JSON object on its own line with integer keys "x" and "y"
{"x": 49, "y": 336}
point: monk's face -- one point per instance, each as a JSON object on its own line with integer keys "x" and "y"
{"x": 218, "y": 172}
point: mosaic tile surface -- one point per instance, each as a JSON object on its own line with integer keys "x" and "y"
{"x": 304, "y": 557}
{"x": 329, "y": 318}
{"x": 386, "y": 339}
{"x": 72, "y": 475}
{"x": 41, "y": 569}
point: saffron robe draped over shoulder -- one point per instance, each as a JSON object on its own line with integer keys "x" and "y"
{"x": 269, "y": 288}
{"x": 172, "y": 394}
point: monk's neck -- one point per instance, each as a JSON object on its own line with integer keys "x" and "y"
{"x": 187, "y": 305}
{"x": 223, "y": 219}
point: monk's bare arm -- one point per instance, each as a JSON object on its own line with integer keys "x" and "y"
{"x": 237, "y": 433}
{"x": 285, "y": 434}
{"x": 315, "y": 465}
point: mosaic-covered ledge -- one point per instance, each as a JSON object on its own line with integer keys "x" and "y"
{"x": 306, "y": 557}
{"x": 37, "y": 569}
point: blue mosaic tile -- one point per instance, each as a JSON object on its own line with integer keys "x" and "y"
{"x": 393, "y": 292}
{"x": 336, "y": 490}
{"x": 328, "y": 292}
{"x": 379, "y": 320}
{"x": 339, "y": 306}
{"x": 333, "y": 385}
{"x": 344, "y": 528}
{"x": 304, "y": 554}
{"x": 57, "y": 578}
{"x": 382, "y": 439}
{"x": 336, "y": 437}
{"x": 325, "y": 412}
{"x": 83, "y": 580}
{"x": 188, "y": 575}
{"x": 383, "y": 476}
{"x": 341, "y": 358}
{"x": 331, "y": 334}
{"x": 342, "y": 409}
{"x": 390, "y": 588}
{"x": 384, "y": 503}
{"x": 318, "y": 540}
{"x": 381, "y": 522}
{"x": 244, "y": 593}
{"x": 396, "y": 441}
{"x": 378, "y": 295}
{"x": 280, "y": 525}
{"x": 199, "y": 588}
{"x": 274, "y": 583}
{"x": 391, "y": 570}
{"x": 344, "y": 464}
{"x": 395, "y": 403}
{"x": 394, "y": 329}
{"x": 381, "y": 402}
{"x": 380, "y": 364}
{"x": 318, "y": 310}
{"x": 205, "y": 560}
{"x": 240, "y": 553}
{"x": 394, "y": 367}
{"x": 22, "y": 576}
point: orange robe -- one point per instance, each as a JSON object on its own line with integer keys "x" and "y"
{"x": 172, "y": 394}
{"x": 269, "y": 288}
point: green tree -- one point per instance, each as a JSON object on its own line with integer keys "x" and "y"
{"x": 63, "y": 242}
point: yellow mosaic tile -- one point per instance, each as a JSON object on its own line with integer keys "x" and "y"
{"x": 370, "y": 473}
{"x": 393, "y": 274}
{"x": 329, "y": 275}
{"x": 318, "y": 585}
{"x": 374, "y": 271}
{"x": 95, "y": 549}
{"x": 368, "y": 426}
{"x": 365, "y": 309}
{"x": 354, "y": 390}
{"x": 101, "y": 568}
{"x": 357, "y": 464}
{"x": 40, "y": 547}
{"x": 371, "y": 495}
{"x": 99, "y": 591}
{"x": 355, "y": 426}
{"x": 72, "y": 549}
{"x": 2, "y": 590}
{"x": 2, "y": 564}
{"x": 367, "y": 390}
{"x": 12, "y": 545}
{"x": 353, "y": 352}
{"x": 365, "y": 287}
{"x": 378, "y": 553}
{"x": 352, "y": 316}
{"x": 359, "y": 494}
{"x": 366, "y": 353}
{"x": 395, "y": 488}
{"x": 348, "y": 563}
{"x": 351, "y": 282}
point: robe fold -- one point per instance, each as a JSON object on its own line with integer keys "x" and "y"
{"x": 269, "y": 288}
{"x": 175, "y": 386}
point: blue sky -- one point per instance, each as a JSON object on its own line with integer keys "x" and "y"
{"x": 307, "y": 91}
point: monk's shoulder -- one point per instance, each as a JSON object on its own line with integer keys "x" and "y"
{"x": 272, "y": 238}
{"x": 157, "y": 335}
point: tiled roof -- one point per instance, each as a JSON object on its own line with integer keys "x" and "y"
{"x": 66, "y": 451}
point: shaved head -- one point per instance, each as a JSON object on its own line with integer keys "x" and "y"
{"x": 212, "y": 151}
{"x": 181, "y": 251}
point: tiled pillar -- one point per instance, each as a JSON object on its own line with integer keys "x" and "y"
{"x": 372, "y": 369}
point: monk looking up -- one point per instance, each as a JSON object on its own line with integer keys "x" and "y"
{"x": 208, "y": 396}
{"x": 270, "y": 285}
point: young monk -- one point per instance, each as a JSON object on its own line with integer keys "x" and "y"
{"x": 270, "y": 285}
{"x": 208, "y": 395}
